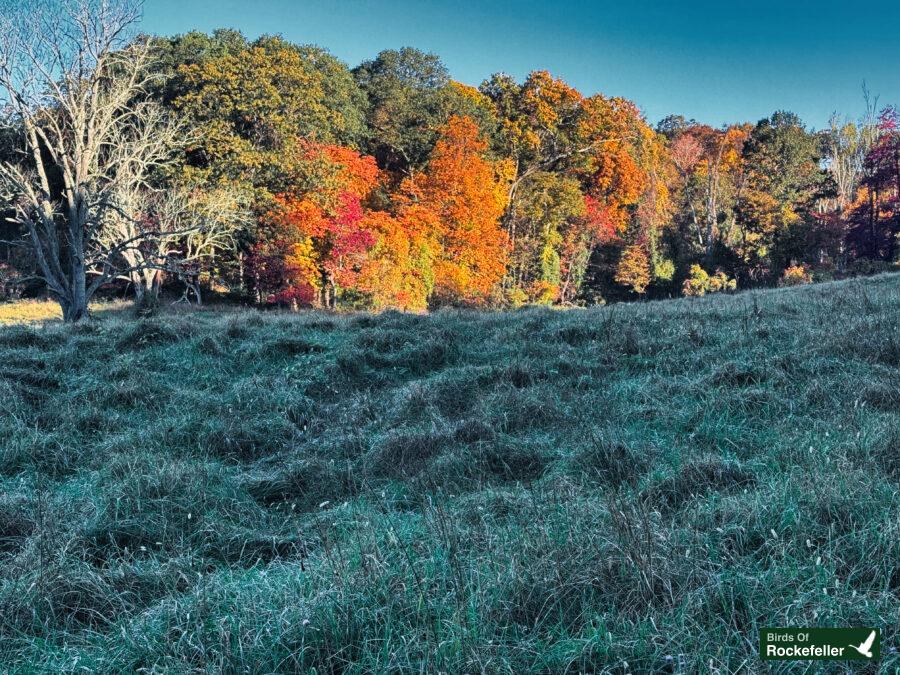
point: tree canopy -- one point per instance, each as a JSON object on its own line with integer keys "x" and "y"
{"x": 391, "y": 185}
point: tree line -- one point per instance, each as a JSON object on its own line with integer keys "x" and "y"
{"x": 274, "y": 173}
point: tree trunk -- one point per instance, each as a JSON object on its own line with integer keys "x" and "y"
{"x": 139, "y": 281}
{"x": 712, "y": 215}
{"x": 146, "y": 288}
{"x": 242, "y": 286}
{"x": 75, "y": 307}
{"x": 873, "y": 244}
{"x": 155, "y": 286}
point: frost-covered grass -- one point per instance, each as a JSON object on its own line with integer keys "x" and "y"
{"x": 625, "y": 489}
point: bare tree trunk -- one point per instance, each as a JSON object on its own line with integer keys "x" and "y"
{"x": 329, "y": 293}
{"x": 147, "y": 284}
{"x": 712, "y": 209}
{"x": 873, "y": 244}
{"x": 137, "y": 279}
{"x": 78, "y": 305}
{"x": 242, "y": 288}
{"x": 156, "y": 278}
{"x": 139, "y": 291}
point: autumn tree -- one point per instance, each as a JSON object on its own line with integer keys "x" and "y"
{"x": 686, "y": 151}
{"x": 592, "y": 229}
{"x": 251, "y": 107}
{"x": 547, "y": 213}
{"x": 564, "y": 148}
{"x": 634, "y": 185}
{"x": 315, "y": 235}
{"x": 540, "y": 128}
{"x": 633, "y": 270}
{"x": 709, "y": 162}
{"x": 846, "y": 146}
{"x": 410, "y": 98}
{"x": 400, "y": 270}
{"x": 467, "y": 195}
{"x": 189, "y": 49}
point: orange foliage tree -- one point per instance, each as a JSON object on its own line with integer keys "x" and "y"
{"x": 583, "y": 167}
{"x": 633, "y": 270}
{"x": 458, "y": 201}
{"x": 441, "y": 243}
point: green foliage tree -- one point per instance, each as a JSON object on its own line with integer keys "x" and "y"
{"x": 548, "y": 205}
{"x": 783, "y": 164}
{"x": 252, "y": 106}
{"x": 407, "y": 92}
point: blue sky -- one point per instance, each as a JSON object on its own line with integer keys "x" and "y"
{"x": 718, "y": 62}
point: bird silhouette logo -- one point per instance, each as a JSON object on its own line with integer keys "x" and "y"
{"x": 866, "y": 647}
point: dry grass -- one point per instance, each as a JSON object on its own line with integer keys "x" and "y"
{"x": 37, "y": 311}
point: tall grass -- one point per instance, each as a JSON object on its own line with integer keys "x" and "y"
{"x": 626, "y": 489}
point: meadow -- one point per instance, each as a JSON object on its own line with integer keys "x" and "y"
{"x": 631, "y": 488}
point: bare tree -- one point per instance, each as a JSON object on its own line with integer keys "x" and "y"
{"x": 847, "y": 145}
{"x": 177, "y": 230}
{"x": 76, "y": 87}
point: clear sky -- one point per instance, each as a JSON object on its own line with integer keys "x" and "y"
{"x": 718, "y": 62}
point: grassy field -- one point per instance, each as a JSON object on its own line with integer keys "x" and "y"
{"x": 41, "y": 311}
{"x": 633, "y": 488}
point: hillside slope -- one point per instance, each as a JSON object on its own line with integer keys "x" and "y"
{"x": 503, "y": 492}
